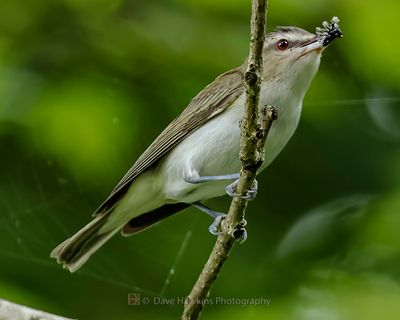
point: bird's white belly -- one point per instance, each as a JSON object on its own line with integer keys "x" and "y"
{"x": 213, "y": 150}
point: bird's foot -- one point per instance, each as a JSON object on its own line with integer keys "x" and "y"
{"x": 240, "y": 232}
{"x": 215, "y": 227}
{"x": 250, "y": 194}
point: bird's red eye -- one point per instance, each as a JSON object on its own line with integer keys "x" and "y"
{"x": 282, "y": 44}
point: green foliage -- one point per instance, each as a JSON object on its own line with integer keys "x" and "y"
{"x": 85, "y": 86}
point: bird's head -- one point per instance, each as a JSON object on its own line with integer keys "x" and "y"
{"x": 292, "y": 55}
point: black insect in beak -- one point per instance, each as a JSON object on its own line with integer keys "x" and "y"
{"x": 329, "y": 31}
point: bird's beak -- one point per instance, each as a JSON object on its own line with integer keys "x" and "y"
{"x": 314, "y": 44}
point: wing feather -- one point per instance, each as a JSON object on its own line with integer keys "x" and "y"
{"x": 211, "y": 101}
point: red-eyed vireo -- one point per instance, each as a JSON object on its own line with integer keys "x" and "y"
{"x": 195, "y": 156}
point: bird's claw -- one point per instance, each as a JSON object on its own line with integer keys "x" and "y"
{"x": 240, "y": 235}
{"x": 215, "y": 227}
{"x": 250, "y": 194}
{"x": 240, "y": 232}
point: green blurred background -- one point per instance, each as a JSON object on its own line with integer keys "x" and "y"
{"x": 85, "y": 86}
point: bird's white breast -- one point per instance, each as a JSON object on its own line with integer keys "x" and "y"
{"x": 288, "y": 106}
{"x": 213, "y": 149}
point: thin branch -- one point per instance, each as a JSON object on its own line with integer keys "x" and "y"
{"x": 12, "y": 311}
{"x": 253, "y": 136}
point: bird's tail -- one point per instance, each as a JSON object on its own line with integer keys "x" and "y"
{"x": 75, "y": 251}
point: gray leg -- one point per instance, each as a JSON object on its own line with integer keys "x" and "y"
{"x": 232, "y": 176}
{"x": 218, "y": 216}
{"x": 250, "y": 194}
{"x": 230, "y": 189}
{"x": 215, "y": 227}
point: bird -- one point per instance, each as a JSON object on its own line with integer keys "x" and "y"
{"x": 196, "y": 155}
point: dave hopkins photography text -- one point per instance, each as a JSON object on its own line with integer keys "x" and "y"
{"x": 136, "y": 299}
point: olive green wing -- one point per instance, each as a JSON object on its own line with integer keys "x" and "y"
{"x": 211, "y": 101}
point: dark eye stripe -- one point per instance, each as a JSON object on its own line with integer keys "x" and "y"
{"x": 292, "y": 43}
